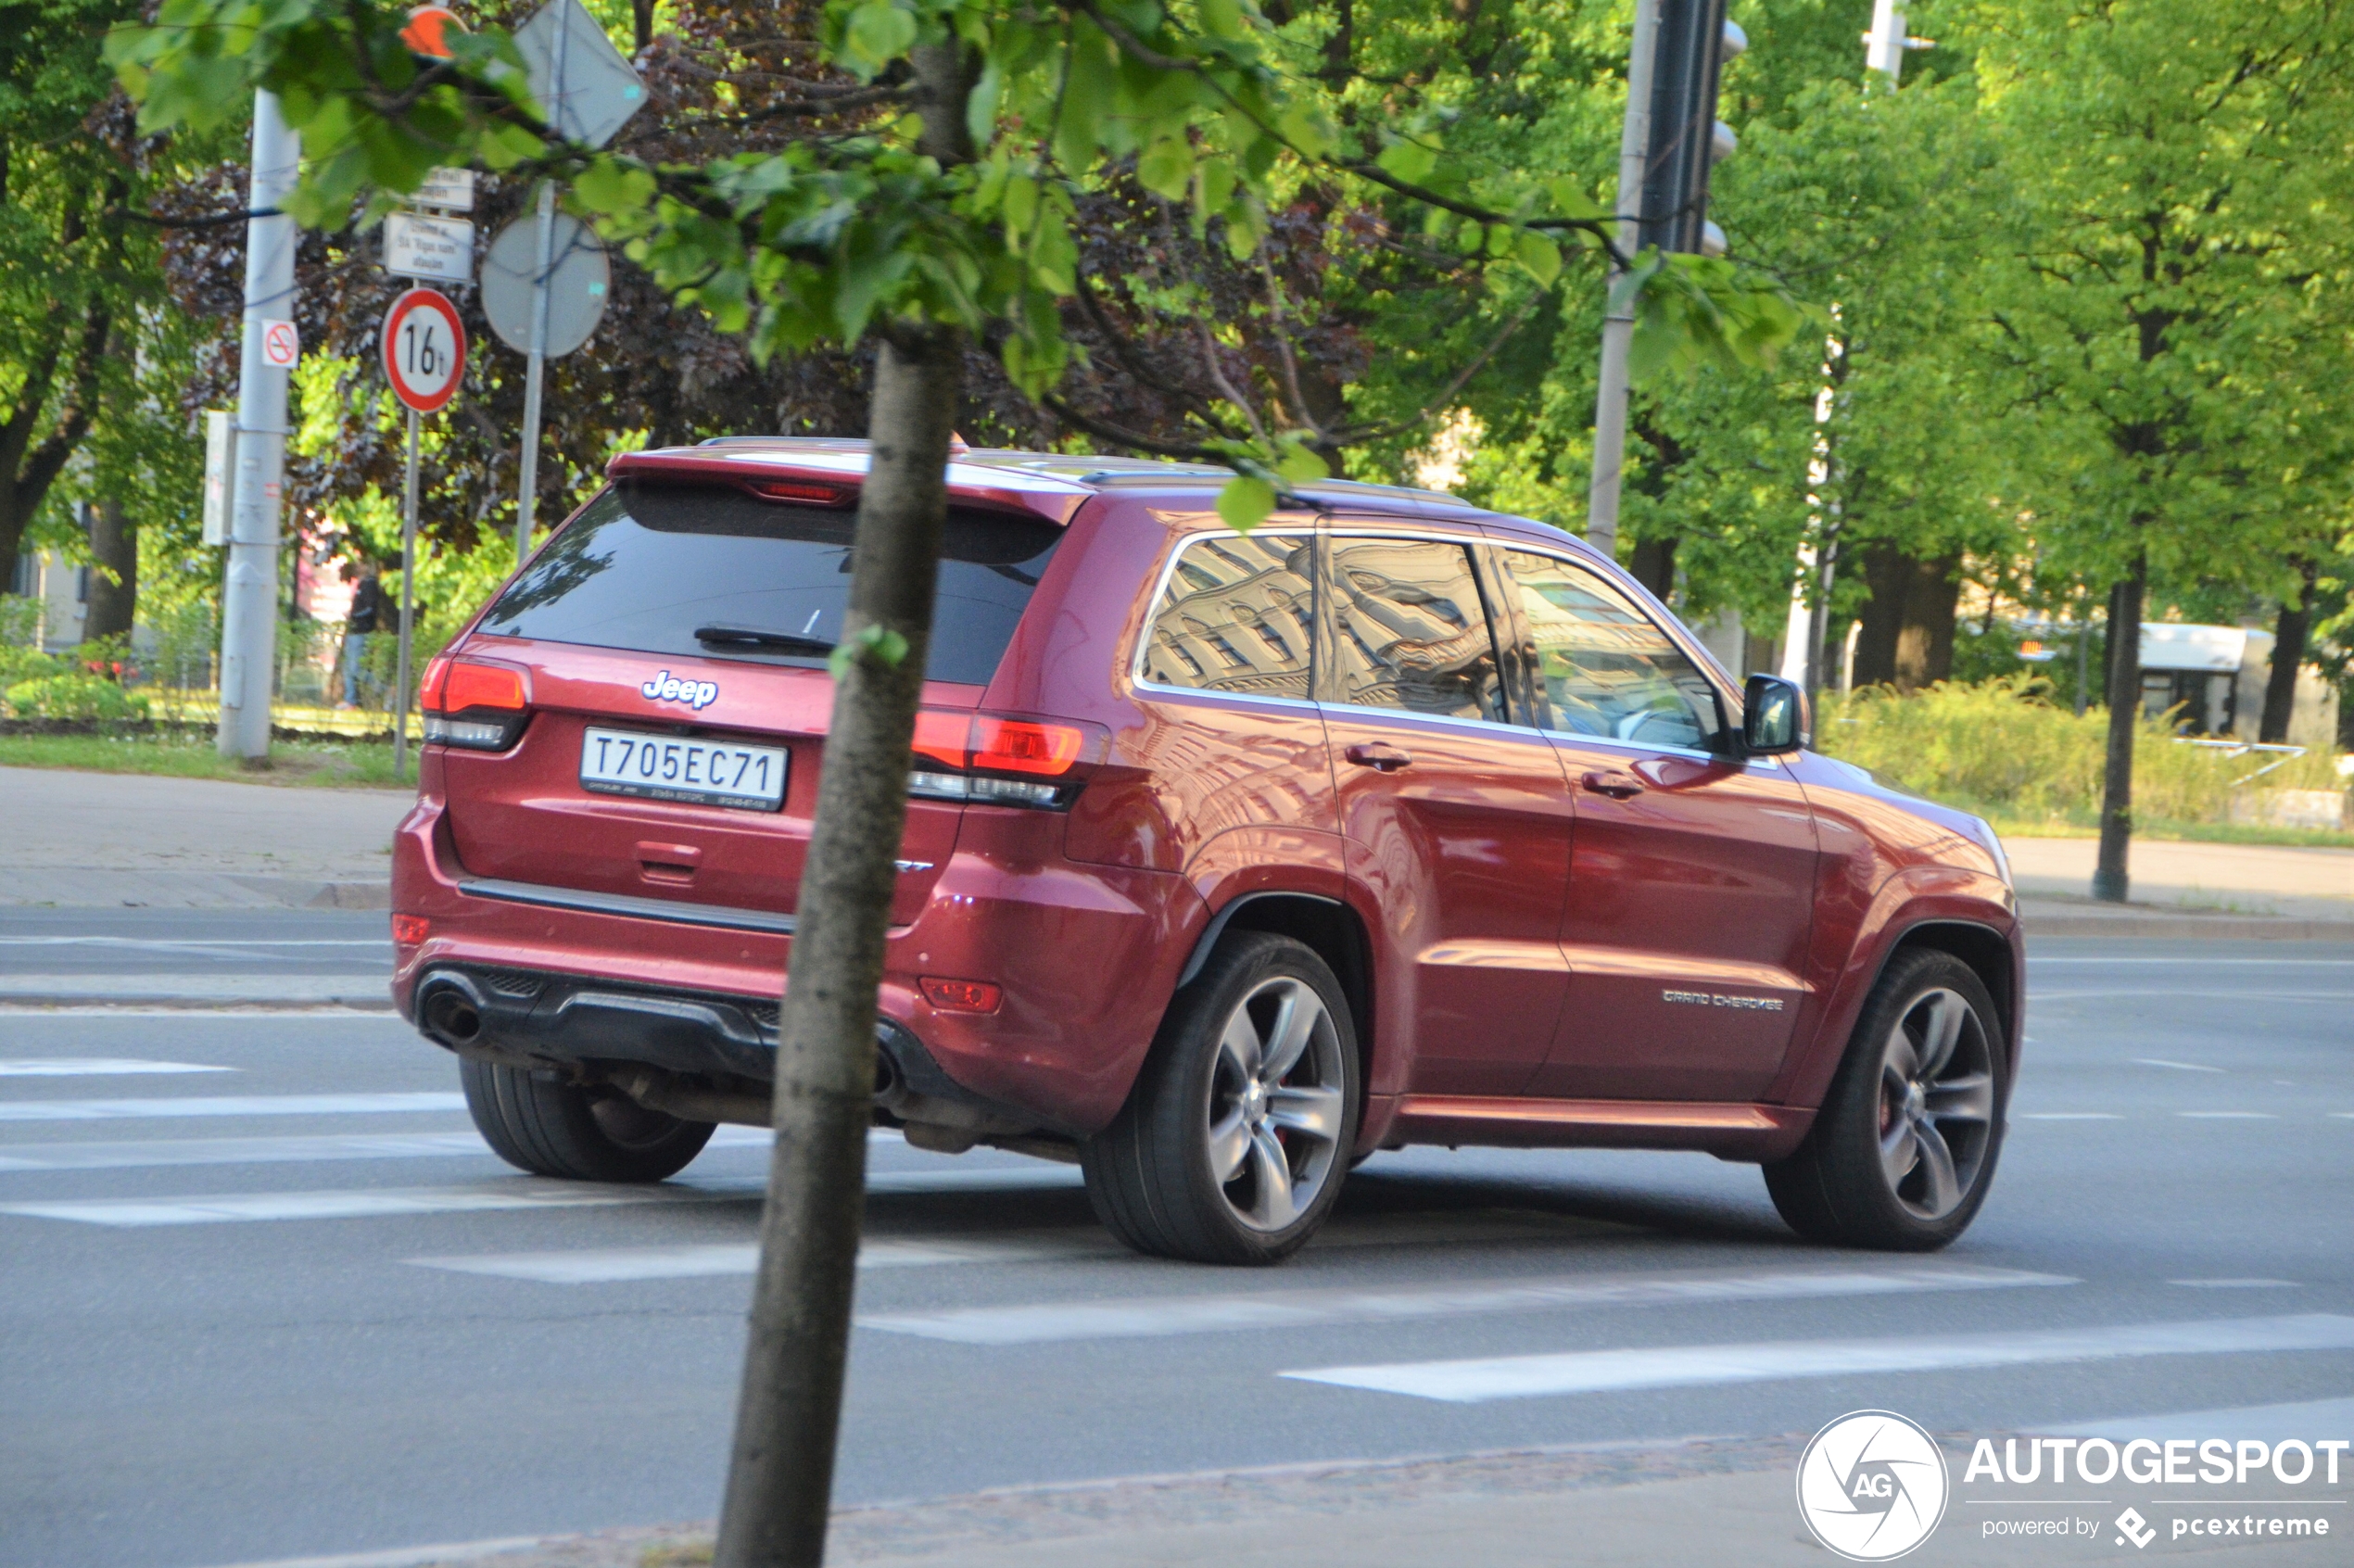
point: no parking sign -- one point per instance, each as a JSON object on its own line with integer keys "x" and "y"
{"x": 425, "y": 349}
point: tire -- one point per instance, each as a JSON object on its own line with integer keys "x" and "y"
{"x": 1225, "y": 1153}
{"x": 1902, "y": 1151}
{"x": 579, "y": 1134}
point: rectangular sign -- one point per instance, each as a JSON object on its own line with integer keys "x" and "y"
{"x": 622, "y": 762}
{"x": 419, "y": 246}
{"x": 449, "y": 189}
{"x": 220, "y": 474}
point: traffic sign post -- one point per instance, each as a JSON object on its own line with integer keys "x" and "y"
{"x": 587, "y": 91}
{"x": 423, "y": 348}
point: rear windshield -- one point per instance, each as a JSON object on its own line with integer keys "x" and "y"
{"x": 655, "y": 568}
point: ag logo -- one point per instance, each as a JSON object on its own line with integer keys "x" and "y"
{"x": 1872, "y": 1486}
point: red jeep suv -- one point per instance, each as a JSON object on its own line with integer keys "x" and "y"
{"x": 1230, "y": 858}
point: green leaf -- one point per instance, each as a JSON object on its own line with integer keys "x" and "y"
{"x": 1244, "y": 502}
{"x": 1299, "y": 464}
{"x": 1571, "y": 201}
{"x": 879, "y": 33}
{"x": 1540, "y": 256}
{"x": 1166, "y": 169}
{"x": 873, "y": 646}
{"x": 1223, "y": 18}
{"x": 1407, "y": 160}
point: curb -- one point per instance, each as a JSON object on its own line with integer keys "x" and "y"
{"x": 245, "y": 992}
{"x": 2187, "y": 928}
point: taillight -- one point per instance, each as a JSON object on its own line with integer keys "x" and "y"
{"x": 1051, "y": 758}
{"x": 474, "y": 703}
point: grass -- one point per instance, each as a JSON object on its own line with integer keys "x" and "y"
{"x": 2034, "y": 768}
{"x": 311, "y": 764}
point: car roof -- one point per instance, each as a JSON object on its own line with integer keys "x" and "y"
{"x": 1049, "y": 485}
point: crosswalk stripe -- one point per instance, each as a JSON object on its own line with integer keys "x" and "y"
{"x": 227, "y": 1105}
{"x": 1682, "y": 1366}
{"x": 300, "y": 1149}
{"x": 615, "y": 1265}
{"x": 2304, "y": 1420}
{"x": 1041, "y": 1322}
{"x": 94, "y": 1066}
{"x": 517, "y": 1192}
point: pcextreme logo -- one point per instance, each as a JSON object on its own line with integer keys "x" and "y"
{"x": 1872, "y": 1486}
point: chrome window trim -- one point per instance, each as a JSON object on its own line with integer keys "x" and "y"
{"x": 1137, "y": 680}
{"x": 1530, "y": 730}
{"x": 1702, "y": 659}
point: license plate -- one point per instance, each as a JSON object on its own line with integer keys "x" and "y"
{"x": 665, "y": 767}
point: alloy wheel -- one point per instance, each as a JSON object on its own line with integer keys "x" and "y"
{"x": 1276, "y": 1104}
{"x": 1936, "y": 1104}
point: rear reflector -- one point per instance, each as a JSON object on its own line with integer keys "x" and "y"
{"x": 961, "y": 995}
{"x": 410, "y": 929}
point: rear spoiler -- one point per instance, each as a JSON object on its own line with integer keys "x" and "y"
{"x": 835, "y": 477}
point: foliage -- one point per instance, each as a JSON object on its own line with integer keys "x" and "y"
{"x": 193, "y": 754}
{"x": 75, "y": 695}
{"x": 2002, "y": 749}
{"x": 829, "y": 236}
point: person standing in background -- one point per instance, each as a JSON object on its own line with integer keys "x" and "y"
{"x": 371, "y": 611}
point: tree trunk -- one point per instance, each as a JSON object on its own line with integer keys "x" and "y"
{"x": 780, "y": 1474}
{"x": 2109, "y": 882}
{"x": 1652, "y": 563}
{"x": 2288, "y": 657}
{"x": 114, "y": 578}
{"x": 1907, "y": 641}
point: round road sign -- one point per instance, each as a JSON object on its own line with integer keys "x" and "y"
{"x": 578, "y": 280}
{"x": 425, "y": 349}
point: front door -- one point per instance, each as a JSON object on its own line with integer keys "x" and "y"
{"x": 1456, "y": 822}
{"x": 1691, "y": 880}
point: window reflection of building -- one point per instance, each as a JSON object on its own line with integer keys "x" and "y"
{"x": 1604, "y": 667}
{"x": 1411, "y": 632}
{"x": 1236, "y": 618}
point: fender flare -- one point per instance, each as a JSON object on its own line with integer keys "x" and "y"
{"x": 1207, "y": 943}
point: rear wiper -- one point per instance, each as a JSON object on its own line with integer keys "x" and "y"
{"x": 753, "y": 637}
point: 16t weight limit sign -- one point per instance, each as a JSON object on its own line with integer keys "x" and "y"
{"x": 425, "y": 350}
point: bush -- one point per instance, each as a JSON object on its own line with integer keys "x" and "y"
{"x": 2002, "y": 748}
{"x": 20, "y": 664}
{"x": 74, "y": 696}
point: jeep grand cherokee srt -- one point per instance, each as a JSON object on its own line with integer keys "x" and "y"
{"x": 1230, "y": 858}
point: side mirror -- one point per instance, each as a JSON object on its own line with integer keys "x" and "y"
{"x": 1774, "y": 717}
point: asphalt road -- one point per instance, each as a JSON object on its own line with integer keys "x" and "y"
{"x": 262, "y": 1294}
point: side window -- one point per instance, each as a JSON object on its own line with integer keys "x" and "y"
{"x": 1238, "y": 615}
{"x": 1603, "y": 667}
{"x": 1409, "y": 630}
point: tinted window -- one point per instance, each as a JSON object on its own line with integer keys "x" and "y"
{"x": 1237, "y": 616}
{"x": 647, "y": 566}
{"x": 1409, "y": 630}
{"x": 1602, "y": 667}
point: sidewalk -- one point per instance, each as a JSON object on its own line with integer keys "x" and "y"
{"x": 113, "y": 840}
{"x": 1629, "y": 1505}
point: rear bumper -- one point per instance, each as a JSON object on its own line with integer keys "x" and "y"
{"x": 1087, "y": 957}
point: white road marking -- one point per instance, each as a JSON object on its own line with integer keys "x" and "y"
{"x": 94, "y": 1066}
{"x": 1043, "y": 1322}
{"x": 301, "y": 1149}
{"x": 519, "y": 1191}
{"x": 516, "y": 1192}
{"x": 204, "y": 1010}
{"x": 193, "y": 941}
{"x": 612, "y": 1265}
{"x": 1684, "y": 1366}
{"x": 2305, "y": 1421}
{"x": 2178, "y": 1066}
{"x": 2203, "y": 962}
{"x": 2236, "y": 1284}
{"x": 2229, "y": 1116}
{"x": 2070, "y": 1116}
{"x": 228, "y": 1104}
{"x": 409, "y": 1557}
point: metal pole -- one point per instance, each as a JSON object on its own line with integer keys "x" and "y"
{"x": 1884, "y": 45}
{"x": 408, "y": 606}
{"x": 535, "y": 376}
{"x": 1618, "y": 324}
{"x": 249, "y": 591}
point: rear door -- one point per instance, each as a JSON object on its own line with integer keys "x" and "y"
{"x": 1456, "y": 822}
{"x": 1690, "y": 892}
{"x": 670, "y": 626}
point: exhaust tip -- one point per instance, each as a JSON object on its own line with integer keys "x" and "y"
{"x": 451, "y": 1017}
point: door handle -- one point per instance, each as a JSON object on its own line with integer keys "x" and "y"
{"x": 1616, "y": 785}
{"x": 1379, "y": 757}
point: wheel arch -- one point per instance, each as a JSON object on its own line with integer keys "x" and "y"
{"x": 1327, "y": 927}
{"x": 1988, "y": 953}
